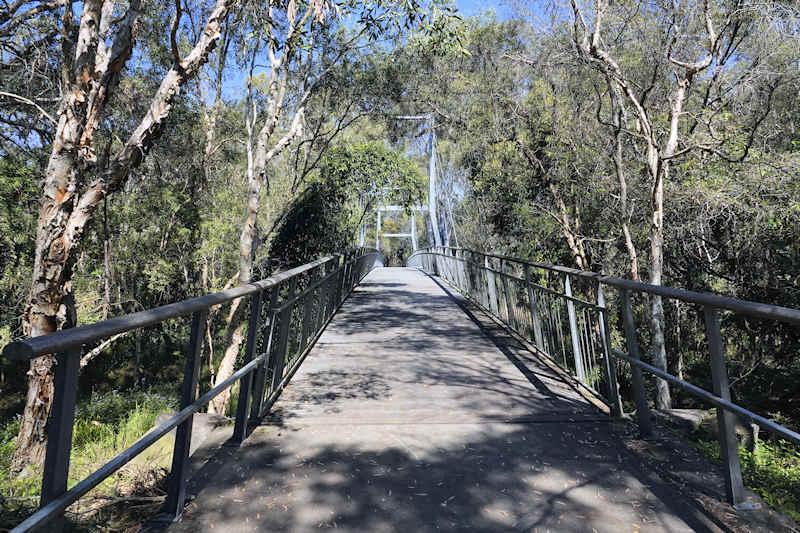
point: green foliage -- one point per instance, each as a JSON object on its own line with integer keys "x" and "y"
{"x": 19, "y": 188}
{"x": 105, "y": 425}
{"x": 18, "y": 494}
{"x": 772, "y": 471}
{"x": 117, "y": 416}
{"x": 352, "y": 178}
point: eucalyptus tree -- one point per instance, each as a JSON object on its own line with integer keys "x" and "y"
{"x": 711, "y": 78}
{"x": 93, "y": 57}
{"x": 300, "y": 44}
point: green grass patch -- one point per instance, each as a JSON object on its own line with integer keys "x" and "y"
{"x": 772, "y": 471}
{"x": 105, "y": 425}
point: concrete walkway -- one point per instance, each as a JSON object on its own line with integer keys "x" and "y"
{"x": 407, "y": 417}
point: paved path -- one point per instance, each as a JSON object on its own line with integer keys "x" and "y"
{"x": 407, "y": 417}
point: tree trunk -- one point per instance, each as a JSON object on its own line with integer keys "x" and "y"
{"x": 663, "y": 399}
{"x": 106, "y": 263}
{"x": 618, "y": 110}
{"x": 570, "y": 230}
{"x": 91, "y": 73}
{"x": 235, "y": 322}
{"x": 50, "y": 305}
{"x": 259, "y": 156}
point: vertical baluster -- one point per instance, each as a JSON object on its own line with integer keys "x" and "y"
{"x": 243, "y": 404}
{"x": 586, "y": 347}
{"x": 507, "y": 293}
{"x": 339, "y": 283}
{"x": 330, "y": 297}
{"x": 281, "y": 348}
{"x": 580, "y": 371}
{"x": 491, "y": 286}
{"x": 322, "y": 292}
{"x": 608, "y": 363}
{"x": 308, "y": 301}
{"x": 260, "y": 379}
{"x": 726, "y": 421}
{"x": 642, "y": 409}
{"x": 535, "y": 318}
{"x": 59, "y": 430}
{"x": 484, "y": 270}
{"x": 176, "y": 492}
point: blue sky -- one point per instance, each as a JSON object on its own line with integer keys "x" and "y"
{"x": 473, "y": 7}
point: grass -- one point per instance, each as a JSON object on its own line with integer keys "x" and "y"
{"x": 773, "y": 472}
{"x": 105, "y": 425}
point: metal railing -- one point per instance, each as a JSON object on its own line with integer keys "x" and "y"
{"x": 536, "y": 300}
{"x": 287, "y": 314}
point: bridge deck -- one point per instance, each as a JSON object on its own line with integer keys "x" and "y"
{"x": 407, "y": 417}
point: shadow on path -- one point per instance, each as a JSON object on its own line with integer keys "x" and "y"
{"x": 407, "y": 417}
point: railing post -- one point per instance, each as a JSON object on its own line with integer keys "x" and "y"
{"x": 260, "y": 379}
{"x": 642, "y": 409}
{"x": 483, "y": 268}
{"x": 346, "y": 275}
{"x": 491, "y": 285}
{"x": 536, "y": 319}
{"x": 322, "y": 305}
{"x": 245, "y": 384}
{"x": 507, "y": 294}
{"x": 573, "y": 332}
{"x": 605, "y": 337}
{"x": 728, "y": 445}
{"x": 59, "y": 430}
{"x": 176, "y": 493}
{"x": 327, "y": 292}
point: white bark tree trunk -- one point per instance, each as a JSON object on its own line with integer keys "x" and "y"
{"x": 590, "y": 46}
{"x": 92, "y": 75}
{"x": 260, "y": 153}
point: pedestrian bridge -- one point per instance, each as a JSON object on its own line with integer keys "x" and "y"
{"x": 462, "y": 393}
{"x": 408, "y": 416}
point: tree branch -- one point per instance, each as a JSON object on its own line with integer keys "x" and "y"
{"x": 24, "y": 100}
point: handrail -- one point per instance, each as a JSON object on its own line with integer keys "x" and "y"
{"x": 330, "y": 281}
{"x": 703, "y": 394}
{"x": 745, "y": 307}
{"x": 25, "y": 349}
{"x": 478, "y": 281}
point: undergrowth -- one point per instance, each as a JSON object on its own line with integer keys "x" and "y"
{"x": 105, "y": 425}
{"x": 772, "y": 471}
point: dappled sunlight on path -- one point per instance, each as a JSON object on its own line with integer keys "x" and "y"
{"x": 407, "y": 417}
